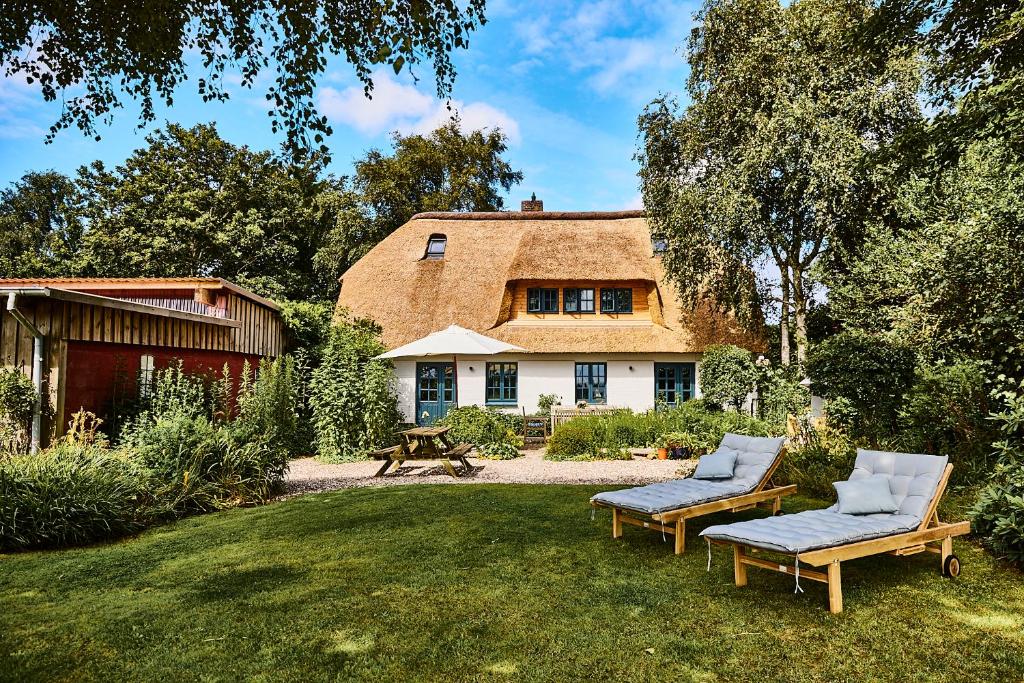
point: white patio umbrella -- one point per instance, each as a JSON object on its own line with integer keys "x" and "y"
{"x": 452, "y": 341}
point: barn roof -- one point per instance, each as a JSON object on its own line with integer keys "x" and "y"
{"x": 86, "y": 284}
{"x": 486, "y": 253}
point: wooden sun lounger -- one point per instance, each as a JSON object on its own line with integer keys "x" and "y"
{"x": 674, "y": 521}
{"x": 932, "y": 535}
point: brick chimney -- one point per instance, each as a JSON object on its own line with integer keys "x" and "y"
{"x": 532, "y": 204}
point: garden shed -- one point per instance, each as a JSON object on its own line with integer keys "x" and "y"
{"x": 84, "y": 340}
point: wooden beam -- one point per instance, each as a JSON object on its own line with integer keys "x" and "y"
{"x": 739, "y": 568}
{"x": 725, "y": 504}
{"x": 784, "y": 568}
{"x": 633, "y": 521}
{"x": 835, "y": 588}
{"x": 875, "y": 546}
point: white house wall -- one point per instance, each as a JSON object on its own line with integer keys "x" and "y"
{"x": 630, "y": 380}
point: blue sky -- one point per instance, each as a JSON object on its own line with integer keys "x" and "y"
{"x": 565, "y": 80}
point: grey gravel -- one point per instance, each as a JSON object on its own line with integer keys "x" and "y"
{"x": 308, "y": 475}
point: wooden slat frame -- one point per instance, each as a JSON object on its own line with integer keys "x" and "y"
{"x": 930, "y": 531}
{"x": 674, "y": 521}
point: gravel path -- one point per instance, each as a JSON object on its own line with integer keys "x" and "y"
{"x": 307, "y": 475}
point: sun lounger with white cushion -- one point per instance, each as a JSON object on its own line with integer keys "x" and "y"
{"x": 828, "y": 537}
{"x": 667, "y": 505}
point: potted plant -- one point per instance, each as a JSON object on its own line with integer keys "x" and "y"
{"x": 679, "y": 443}
{"x": 661, "y": 443}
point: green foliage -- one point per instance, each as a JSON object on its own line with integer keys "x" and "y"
{"x": 818, "y": 456}
{"x": 498, "y": 450}
{"x": 781, "y": 395}
{"x": 71, "y": 494}
{"x": 268, "y": 406}
{"x": 946, "y": 412}
{"x": 777, "y": 146}
{"x": 307, "y": 325}
{"x": 482, "y": 426}
{"x": 105, "y": 52}
{"x": 355, "y": 409}
{"x": 727, "y": 374}
{"x": 199, "y": 467}
{"x": 17, "y": 403}
{"x": 999, "y": 513}
{"x": 691, "y": 425}
{"x": 40, "y": 229}
{"x": 865, "y": 378}
{"x": 944, "y": 278}
{"x": 545, "y": 401}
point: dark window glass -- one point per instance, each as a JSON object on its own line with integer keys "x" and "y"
{"x": 659, "y": 245}
{"x": 502, "y": 382}
{"x": 578, "y": 300}
{"x": 591, "y": 382}
{"x": 617, "y": 300}
{"x": 435, "y": 246}
{"x": 449, "y": 384}
{"x": 541, "y": 300}
{"x": 428, "y": 385}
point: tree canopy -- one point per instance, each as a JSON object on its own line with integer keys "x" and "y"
{"x": 93, "y": 53}
{"x": 190, "y": 203}
{"x": 770, "y": 161}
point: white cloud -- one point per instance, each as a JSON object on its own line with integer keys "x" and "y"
{"x": 621, "y": 48}
{"x": 401, "y": 107}
{"x": 20, "y": 105}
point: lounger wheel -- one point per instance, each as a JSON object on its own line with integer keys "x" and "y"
{"x": 951, "y": 567}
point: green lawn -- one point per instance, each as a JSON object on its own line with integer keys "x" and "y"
{"x": 482, "y": 582}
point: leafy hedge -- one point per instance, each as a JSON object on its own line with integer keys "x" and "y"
{"x": 611, "y": 435}
{"x": 484, "y": 427}
{"x": 999, "y": 513}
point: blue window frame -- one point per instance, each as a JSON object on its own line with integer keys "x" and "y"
{"x": 502, "y": 383}
{"x": 617, "y": 300}
{"x": 578, "y": 300}
{"x": 541, "y": 300}
{"x": 673, "y": 383}
{"x": 592, "y": 382}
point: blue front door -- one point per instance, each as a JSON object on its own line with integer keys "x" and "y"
{"x": 435, "y": 391}
{"x": 673, "y": 383}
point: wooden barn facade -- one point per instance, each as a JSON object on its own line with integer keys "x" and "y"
{"x": 82, "y": 339}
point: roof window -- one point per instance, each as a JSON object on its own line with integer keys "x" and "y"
{"x": 435, "y": 247}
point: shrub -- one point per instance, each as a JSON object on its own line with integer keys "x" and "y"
{"x": 17, "y": 402}
{"x": 482, "y": 426}
{"x": 999, "y": 513}
{"x": 355, "y": 408}
{"x": 576, "y": 438}
{"x": 545, "y": 401}
{"x": 781, "y": 396}
{"x": 71, "y": 494}
{"x": 946, "y": 412}
{"x": 864, "y": 377}
{"x": 819, "y": 455}
{"x": 498, "y": 450}
{"x": 268, "y": 404}
{"x": 199, "y": 466}
{"x": 727, "y": 374}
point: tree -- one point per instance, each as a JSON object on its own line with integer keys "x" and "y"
{"x": 145, "y": 50}
{"x": 447, "y": 170}
{"x": 771, "y": 163}
{"x": 946, "y": 281}
{"x": 975, "y": 56}
{"x": 40, "y": 226}
{"x": 192, "y": 204}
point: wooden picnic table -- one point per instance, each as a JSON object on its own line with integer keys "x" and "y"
{"x": 425, "y": 443}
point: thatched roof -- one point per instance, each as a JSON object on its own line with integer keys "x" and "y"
{"x": 486, "y": 253}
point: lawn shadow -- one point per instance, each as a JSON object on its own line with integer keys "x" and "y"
{"x": 230, "y": 583}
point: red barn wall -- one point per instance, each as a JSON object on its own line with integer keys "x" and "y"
{"x": 92, "y": 370}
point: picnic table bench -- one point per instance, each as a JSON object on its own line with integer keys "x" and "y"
{"x": 425, "y": 443}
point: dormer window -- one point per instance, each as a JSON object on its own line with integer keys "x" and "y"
{"x": 435, "y": 247}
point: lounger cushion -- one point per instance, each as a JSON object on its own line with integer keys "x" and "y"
{"x": 670, "y": 495}
{"x": 717, "y": 465}
{"x": 865, "y": 496}
{"x": 810, "y": 530}
{"x": 754, "y": 455}
{"x": 913, "y": 478}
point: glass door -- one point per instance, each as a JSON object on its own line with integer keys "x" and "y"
{"x": 435, "y": 391}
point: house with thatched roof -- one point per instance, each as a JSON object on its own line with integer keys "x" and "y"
{"x": 583, "y": 295}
